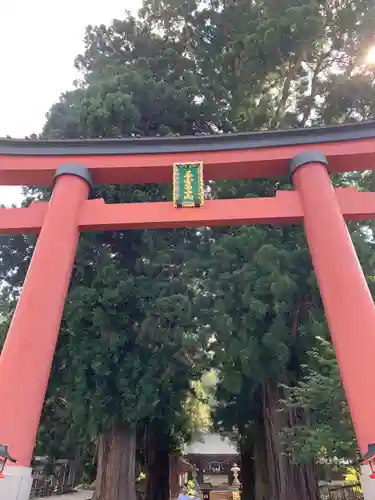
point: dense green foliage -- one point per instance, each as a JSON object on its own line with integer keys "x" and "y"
{"x": 328, "y": 431}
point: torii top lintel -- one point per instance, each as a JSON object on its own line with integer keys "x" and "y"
{"x": 225, "y": 156}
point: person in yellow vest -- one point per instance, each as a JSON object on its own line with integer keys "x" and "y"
{"x": 187, "y": 493}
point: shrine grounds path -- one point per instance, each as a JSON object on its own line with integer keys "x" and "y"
{"x": 81, "y": 495}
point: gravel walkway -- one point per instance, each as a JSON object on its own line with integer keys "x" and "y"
{"x": 81, "y": 495}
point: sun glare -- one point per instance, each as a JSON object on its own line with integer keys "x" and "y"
{"x": 370, "y": 59}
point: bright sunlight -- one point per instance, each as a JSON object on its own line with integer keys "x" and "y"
{"x": 370, "y": 59}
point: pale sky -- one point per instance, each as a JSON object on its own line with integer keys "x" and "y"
{"x": 39, "y": 40}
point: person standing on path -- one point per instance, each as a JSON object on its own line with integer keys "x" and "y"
{"x": 184, "y": 495}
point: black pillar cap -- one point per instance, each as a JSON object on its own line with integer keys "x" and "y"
{"x": 304, "y": 158}
{"x": 5, "y": 454}
{"x": 76, "y": 170}
{"x": 370, "y": 452}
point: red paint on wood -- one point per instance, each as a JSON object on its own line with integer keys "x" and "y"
{"x": 284, "y": 208}
{"x": 131, "y": 169}
{"x": 23, "y": 220}
{"x": 28, "y": 351}
{"x": 347, "y": 300}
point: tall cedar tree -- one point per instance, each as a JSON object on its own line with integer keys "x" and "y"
{"x": 270, "y": 64}
{"x": 129, "y": 344}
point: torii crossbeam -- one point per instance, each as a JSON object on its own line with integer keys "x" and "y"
{"x": 308, "y": 155}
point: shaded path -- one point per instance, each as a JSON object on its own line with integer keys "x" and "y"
{"x": 81, "y": 495}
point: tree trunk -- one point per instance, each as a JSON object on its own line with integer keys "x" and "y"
{"x": 116, "y": 465}
{"x": 262, "y": 487}
{"x": 157, "y": 462}
{"x": 287, "y": 481}
{"x": 76, "y": 467}
{"x": 174, "y": 485}
{"x": 247, "y": 475}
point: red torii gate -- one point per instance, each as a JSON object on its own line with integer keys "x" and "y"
{"x": 306, "y": 154}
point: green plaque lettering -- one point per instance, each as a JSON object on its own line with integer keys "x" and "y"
{"x": 188, "y": 189}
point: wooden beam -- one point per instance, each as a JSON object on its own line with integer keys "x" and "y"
{"x": 284, "y": 208}
{"x": 150, "y": 160}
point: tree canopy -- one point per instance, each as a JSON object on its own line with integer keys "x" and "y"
{"x": 328, "y": 433}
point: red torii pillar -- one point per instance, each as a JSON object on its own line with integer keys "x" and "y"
{"x": 27, "y": 355}
{"x": 346, "y": 297}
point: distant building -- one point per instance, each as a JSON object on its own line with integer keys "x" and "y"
{"x": 212, "y": 456}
